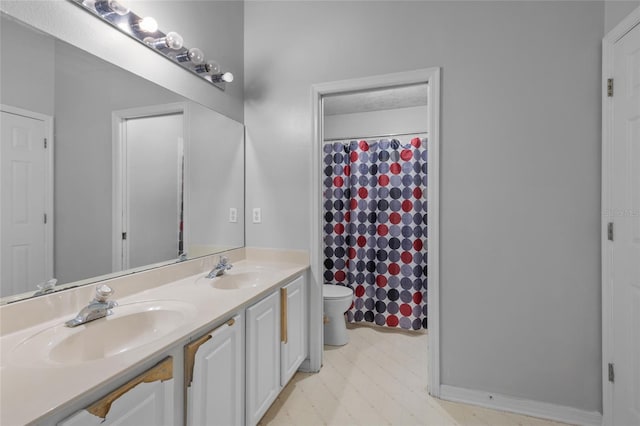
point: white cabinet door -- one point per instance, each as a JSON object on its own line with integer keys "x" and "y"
{"x": 263, "y": 356}
{"x": 145, "y": 400}
{"x": 215, "y": 395}
{"x": 293, "y": 347}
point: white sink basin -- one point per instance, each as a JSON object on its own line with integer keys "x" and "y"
{"x": 245, "y": 276}
{"x": 131, "y": 326}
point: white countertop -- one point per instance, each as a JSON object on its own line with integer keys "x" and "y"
{"x": 32, "y": 388}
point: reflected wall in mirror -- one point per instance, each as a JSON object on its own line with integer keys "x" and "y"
{"x": 77, "y": 210}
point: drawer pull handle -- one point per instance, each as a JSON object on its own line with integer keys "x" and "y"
{"x": 283, "y": 316}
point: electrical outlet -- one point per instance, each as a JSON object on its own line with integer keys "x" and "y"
{"x": 257, "y": 215}
{"x": 233, "y": 215}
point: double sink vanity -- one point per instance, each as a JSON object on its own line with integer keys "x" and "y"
{"x": 179, "y": 348}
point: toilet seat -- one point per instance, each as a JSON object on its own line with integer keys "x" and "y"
{"x": 332, "y": 291}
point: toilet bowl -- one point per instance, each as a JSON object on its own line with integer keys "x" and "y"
{"x": 337, "y": 299}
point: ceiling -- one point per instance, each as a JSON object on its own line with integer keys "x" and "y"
{"x": 376, "y": 100}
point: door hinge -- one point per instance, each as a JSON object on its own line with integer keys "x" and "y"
{"x": 610, "y": 231}
{"x": 124, "y": 235}
{"x": 45, "y": 218}
{"x": 612, "y": 375}
{"x": 610, "y": 87}
{"x": 45, "y": 143}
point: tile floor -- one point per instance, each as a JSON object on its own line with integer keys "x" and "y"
{"x": 379, "y": 378}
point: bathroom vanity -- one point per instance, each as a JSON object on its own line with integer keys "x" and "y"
{"x": 179, "y": 348}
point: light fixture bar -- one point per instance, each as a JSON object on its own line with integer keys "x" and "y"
{"x": 145, "y": 30}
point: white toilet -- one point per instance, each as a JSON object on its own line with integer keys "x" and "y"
{"x": 337, "y": 299}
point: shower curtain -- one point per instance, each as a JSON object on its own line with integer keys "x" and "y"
{"x": 375, "y": 229}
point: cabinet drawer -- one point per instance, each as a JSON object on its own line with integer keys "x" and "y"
{"x": 146, "y": 399}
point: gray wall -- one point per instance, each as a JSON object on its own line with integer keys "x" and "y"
{"x": 520, "y": 200}
{"x": 26, "y": 80}
{"x": 216, "y": 182}
{"x": 616, "y": 10}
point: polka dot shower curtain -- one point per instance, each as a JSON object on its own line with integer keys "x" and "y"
{"x": 375, "y": 229}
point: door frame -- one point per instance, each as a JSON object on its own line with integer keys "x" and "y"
{"x": 119, "y": 135}
{"x": 49, "y": 179}
{"x": 318, "y": 91}
{"x": 608, "y": 44}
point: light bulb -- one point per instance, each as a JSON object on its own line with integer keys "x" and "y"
{"x": 210, "y": 67}
{"x": 227, "y": 77}
{"x": 108, "y": 7}
{"x": 194, "y": 55}
{"x": 172, "y": 40}
{"x": 146, "y": 25}
{"x": 89, "y": 4}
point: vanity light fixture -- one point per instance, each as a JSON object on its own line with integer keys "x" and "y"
{"x": 145, "y": 30}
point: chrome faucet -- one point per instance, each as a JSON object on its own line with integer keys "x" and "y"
{"x": 46, "y": 287}
{"x": 223, "y": 265}
{"x": 99, "y": 307}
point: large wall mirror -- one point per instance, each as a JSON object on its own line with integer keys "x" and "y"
{"x": 132, "y": 175}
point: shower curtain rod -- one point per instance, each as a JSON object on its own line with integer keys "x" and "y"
{"x": 353, "y": 138}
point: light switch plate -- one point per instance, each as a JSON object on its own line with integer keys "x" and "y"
{"x": 233, "y": 215}
{"x": 257, "y": 215}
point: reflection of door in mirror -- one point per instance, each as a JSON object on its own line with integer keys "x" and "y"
{"x": 25, "y": 166}
{"x": 152, "y": 169}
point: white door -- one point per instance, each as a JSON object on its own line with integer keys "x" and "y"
{"x": 152, "y": 205}
{"x": 215, "y": 395}
{"x": 262, "y": 357}
{"x": 625, "y": 249}
{"x": 24, "y": 171}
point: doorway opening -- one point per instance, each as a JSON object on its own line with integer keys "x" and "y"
{"x": 148, "y": 174}
{"x": 374, "y": 205}
{"x": 377, "y": 91}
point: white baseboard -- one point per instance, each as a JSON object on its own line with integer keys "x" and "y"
{"x": 527, "y": 407}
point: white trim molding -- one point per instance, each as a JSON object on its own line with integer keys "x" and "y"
{"x": 527, "y": 407}
{"x": 431, "y": 76}
{"x": 627, "y": 24}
